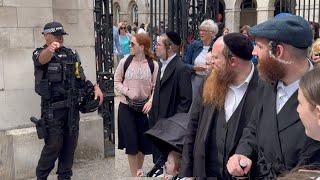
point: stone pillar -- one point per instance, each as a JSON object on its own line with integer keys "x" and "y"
{"x": 264, "y": 13}
{"x": 232, "y": 19}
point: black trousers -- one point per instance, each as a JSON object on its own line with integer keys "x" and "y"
{"x": 60, "y": 144}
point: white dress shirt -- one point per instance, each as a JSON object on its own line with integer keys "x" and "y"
{"x": 165, "y": 64}
{"x": 285, "y": 92}
{"x": 235, "y": 95}
{"x": 200, "y": 60}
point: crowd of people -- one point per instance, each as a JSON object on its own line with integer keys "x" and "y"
{"x": 252, "y": 100}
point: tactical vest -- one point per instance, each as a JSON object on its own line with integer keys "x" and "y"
{"x": 52, "y": 80}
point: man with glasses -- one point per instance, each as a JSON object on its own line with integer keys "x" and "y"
{"x": 173, "y": 92}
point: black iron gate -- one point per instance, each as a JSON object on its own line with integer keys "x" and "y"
{"x": 304, "y": 8}
{"x": 181, "y": 16}
{"x": 104, "y": 66}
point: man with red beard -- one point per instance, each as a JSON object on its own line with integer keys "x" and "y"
{"x": 222, "y": 109}
{"x": 275, "y": 134}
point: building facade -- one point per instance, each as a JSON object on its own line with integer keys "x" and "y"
{"x": 236, "y": 13}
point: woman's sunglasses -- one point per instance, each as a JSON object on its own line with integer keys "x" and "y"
{"x": 132, "y": 44}
{"x": 122, "y": 27}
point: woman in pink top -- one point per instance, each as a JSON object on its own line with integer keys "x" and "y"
{"x": 136, "y": 83}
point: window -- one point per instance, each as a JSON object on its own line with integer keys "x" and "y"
{"x": 134, "y": 13}
{"x": 117, "y": 13}
{"x": 248, "y": 4}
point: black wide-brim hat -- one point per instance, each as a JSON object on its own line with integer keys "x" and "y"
{"x": 168, "y": 133}
{"x": 54, "y": 28}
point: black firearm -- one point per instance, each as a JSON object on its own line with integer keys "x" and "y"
{"x": 40, "y": 126}
{"x": 73, "y": 94}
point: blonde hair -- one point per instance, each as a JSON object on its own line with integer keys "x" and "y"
{"x": 177, "y": 159}
{"x": 315, "y": 46}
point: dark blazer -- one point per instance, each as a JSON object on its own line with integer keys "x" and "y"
{"x": 192, "y": 52}
{"x": 173, "y": 93}
{"x": 194, "y": 154}
{"x": 278, "y": 139}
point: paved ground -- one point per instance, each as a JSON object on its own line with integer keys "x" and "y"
{"x": 105, "y": 169}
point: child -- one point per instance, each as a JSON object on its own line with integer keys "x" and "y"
{"x": 170, "y": 169}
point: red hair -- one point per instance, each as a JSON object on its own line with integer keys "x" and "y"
{"x": 144, "y": 39}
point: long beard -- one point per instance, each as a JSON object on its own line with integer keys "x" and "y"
{"x": 216, "y": 86}
{"x": 271, "y": 70}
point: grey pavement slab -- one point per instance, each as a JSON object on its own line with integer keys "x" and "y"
{"x": 107, "y": 168}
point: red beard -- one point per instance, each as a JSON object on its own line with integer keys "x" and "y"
{"x": 216, "y": 86}
{"x": 271, "y": 70}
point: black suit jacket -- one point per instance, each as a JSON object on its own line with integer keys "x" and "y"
{"x": 173, "y": 93}
{"x": 278, "y": 139}
{"x": 194, "y": 154}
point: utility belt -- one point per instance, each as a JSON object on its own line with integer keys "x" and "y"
{"x": 48, "y": 118}
{"x": 136, "y": 105}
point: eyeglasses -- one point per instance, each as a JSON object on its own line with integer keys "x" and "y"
{"x": 132, "y": 44}
{"x": 205, "y": 30}
{"x": 122, "y": 27}
{"x": 158, "y": 44}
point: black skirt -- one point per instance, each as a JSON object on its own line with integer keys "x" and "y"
{"x": 131, "y": 128}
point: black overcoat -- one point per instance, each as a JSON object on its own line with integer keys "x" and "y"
{"x": 202, "y": 116}
{"x": 278, "y": 139}
{"x": 173, "y": 93}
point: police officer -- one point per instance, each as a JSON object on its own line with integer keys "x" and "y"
{"x": 61, "y": 139}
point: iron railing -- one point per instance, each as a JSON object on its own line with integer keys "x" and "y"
{"x": 104, "y": 63}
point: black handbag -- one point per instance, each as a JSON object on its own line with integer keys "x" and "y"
{"x": 136, "y": 105}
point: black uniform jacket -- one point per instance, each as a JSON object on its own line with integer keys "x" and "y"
{"x": 173, "y": 93}
{"x": 278, "y": 139}
{"x": 195, "y": 153}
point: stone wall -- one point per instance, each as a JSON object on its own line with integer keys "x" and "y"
{"x": 21, "y": 24}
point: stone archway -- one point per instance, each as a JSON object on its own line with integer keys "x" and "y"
{"x": 222, "y": 7}
{"x": 116, "y": 13}
{"x": 248, "y": 14}
{"x": 133, "y": 12}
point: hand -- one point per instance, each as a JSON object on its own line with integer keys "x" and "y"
{"x": 146, "y": 108}
{"x": 98, "y": 93}
{"x": 234, "y": 167}
{"x": 53, "y": 46}
{"x": 165, "y": 178}
{"x": 199, "y": 67}
{"x": 209, "y": 58}
{"x": 209, "y": 61}
{"x": 140, "y": 173}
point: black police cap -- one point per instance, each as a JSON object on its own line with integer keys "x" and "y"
{"x": 239, "y": 44}
{"x": 54, "y": 28}
{"x": 290, "y": 29}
